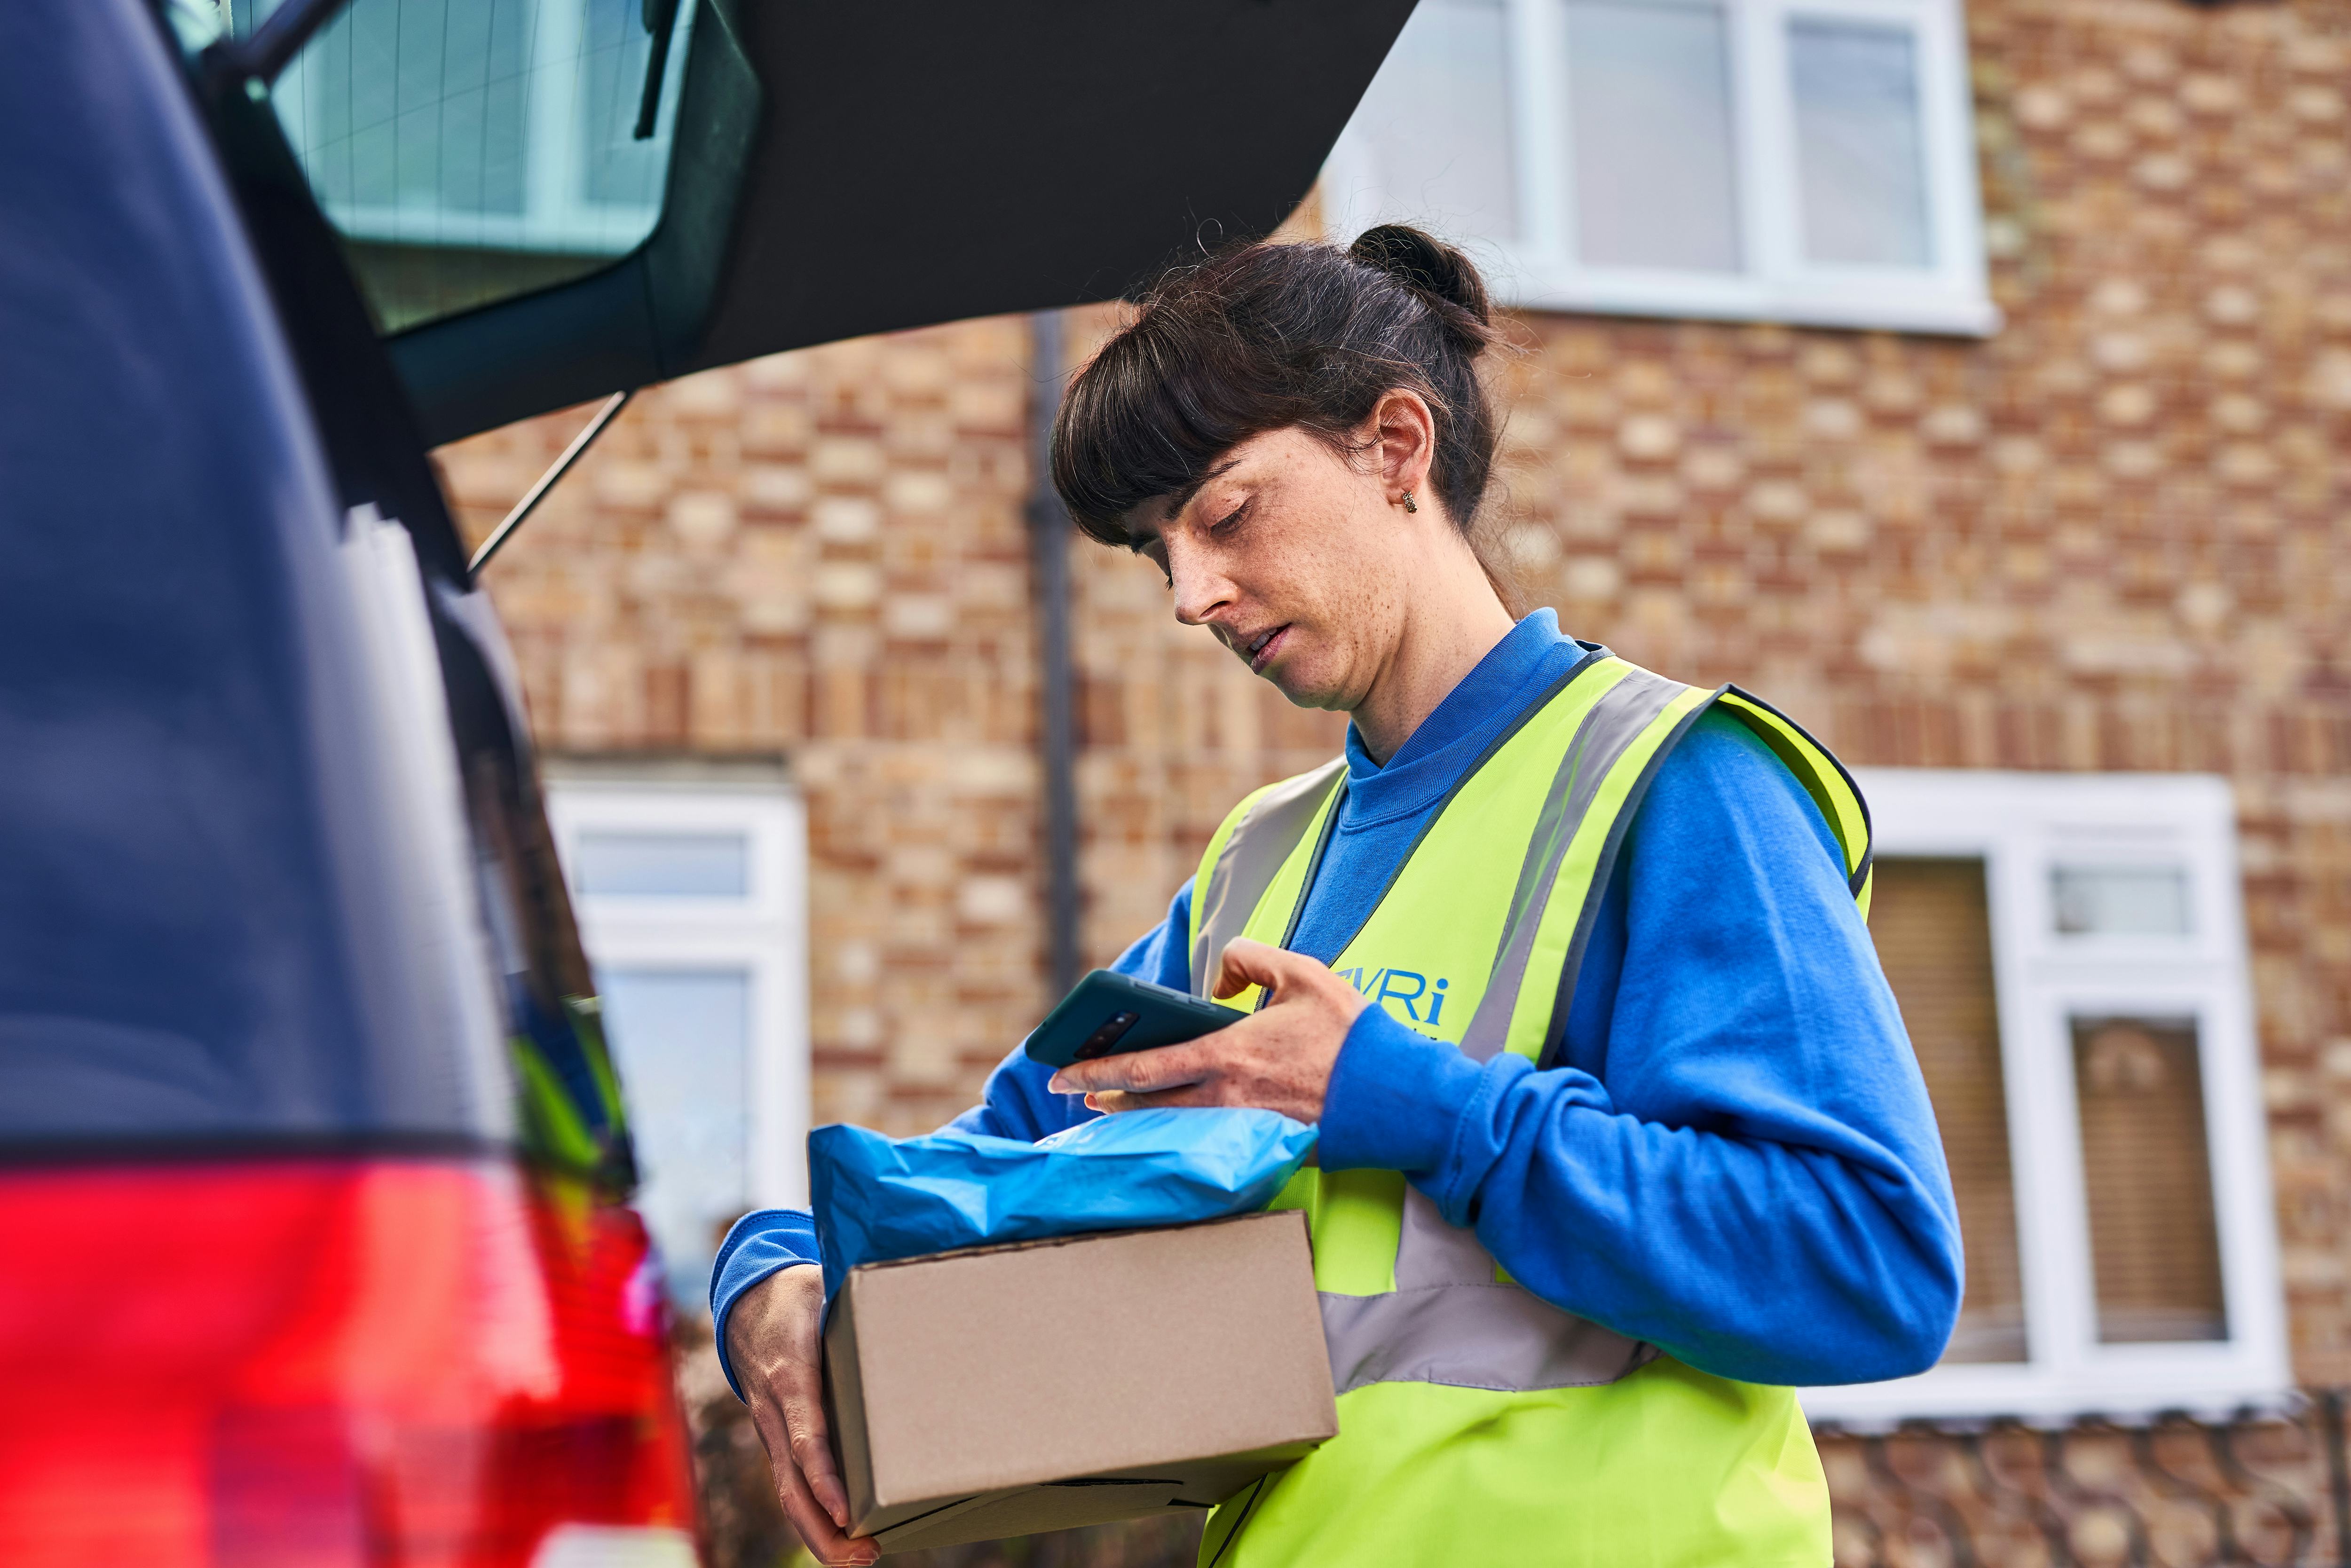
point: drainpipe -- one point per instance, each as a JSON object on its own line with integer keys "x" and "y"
{"x": 1049, "y": 550}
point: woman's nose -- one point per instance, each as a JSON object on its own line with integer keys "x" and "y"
{"x": 1200, "y": 590}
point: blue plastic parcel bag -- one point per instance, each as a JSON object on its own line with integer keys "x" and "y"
{"x": 880, "y": 1199}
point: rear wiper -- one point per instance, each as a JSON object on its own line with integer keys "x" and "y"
{"x": 661, "y": 20}
{"x": 260, "y": 56}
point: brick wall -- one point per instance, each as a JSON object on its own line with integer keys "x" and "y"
{"x": 2113, "y": 536}
{"x": 823, "y": 554}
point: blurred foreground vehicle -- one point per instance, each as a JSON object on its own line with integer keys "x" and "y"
{"x": 316, "y": 1166}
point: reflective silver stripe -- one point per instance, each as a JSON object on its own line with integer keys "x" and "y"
{"x": 1449, "y": 1320}
{"x": 1430, "y": 1253}
{"x": 1252, "y": 857}
{"x": 1611, "y": 726}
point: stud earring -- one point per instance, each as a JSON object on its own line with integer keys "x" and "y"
{"x": 1409, "y": 503}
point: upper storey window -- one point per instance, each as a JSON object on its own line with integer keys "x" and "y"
{"x": 1806, "y": 160}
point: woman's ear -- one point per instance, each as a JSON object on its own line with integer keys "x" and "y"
{"x": 1404, "y": 439}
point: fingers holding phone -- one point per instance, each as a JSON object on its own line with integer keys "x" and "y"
{"x": 1278, "y": 1057}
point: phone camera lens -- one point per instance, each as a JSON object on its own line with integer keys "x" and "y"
{"x": 1103, "y": 1038}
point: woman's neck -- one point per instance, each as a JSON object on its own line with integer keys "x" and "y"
{"x": 1452, "y": 620}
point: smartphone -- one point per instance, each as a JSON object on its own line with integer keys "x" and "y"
{"x": 1106, "y": 1014}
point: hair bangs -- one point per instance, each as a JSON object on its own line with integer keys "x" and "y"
{"x": 1266, "y": 337}
{"x": 1148, "y": 419}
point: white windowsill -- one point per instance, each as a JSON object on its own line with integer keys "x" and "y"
{"x": 2140, "y": 1382}
{"x": 1873, "y": 306}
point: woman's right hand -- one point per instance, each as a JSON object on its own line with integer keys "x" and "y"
{"x": 772, "y": 1344}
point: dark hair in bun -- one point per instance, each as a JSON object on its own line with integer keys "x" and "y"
{"x": 1438, "y": 272}
{"x": 1263, "y": 337}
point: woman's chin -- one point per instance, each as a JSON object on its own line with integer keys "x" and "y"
{"x": 1303, "y": 688}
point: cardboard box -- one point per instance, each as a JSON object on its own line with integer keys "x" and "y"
{"x": 1005, "y": 1390}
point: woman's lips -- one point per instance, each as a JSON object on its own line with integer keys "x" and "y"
{"x": 1260, "y": 654}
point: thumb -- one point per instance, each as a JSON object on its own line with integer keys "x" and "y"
{"x": 1247, "y": 963}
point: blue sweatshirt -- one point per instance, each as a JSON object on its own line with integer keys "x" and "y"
{"x": 1735, "y": 1160}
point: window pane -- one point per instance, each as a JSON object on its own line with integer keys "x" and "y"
{"x": 662, "y": 865}
{"x": 2154, "y": 1242}
{"x": 1858, "y": 146}
{"x": 1933, "y": 930}
{"x": 681, "y": 1040}
{"x": 1437, "y": 121}
{"x": 417, "y": 104}
{"x": 1649, "y": 131}
{"x": 2121, "y": 900}
{"x": 469, "y": 150}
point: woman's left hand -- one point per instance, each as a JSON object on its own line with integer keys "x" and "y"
{"x": 1278, "y": 1057}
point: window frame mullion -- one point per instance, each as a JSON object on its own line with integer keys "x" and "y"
{"x": 1539, "y": 131}
{"x": 1764, "y": 110}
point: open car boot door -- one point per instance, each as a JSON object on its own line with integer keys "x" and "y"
{"x": 810, "y": 173}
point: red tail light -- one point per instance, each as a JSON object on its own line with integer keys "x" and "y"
{"x": 331, "y": 1365}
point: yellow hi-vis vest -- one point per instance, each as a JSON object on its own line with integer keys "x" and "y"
{"x": 1478, "y": 1424}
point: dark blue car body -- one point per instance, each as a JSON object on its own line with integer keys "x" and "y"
{"x": 211, "y": 929}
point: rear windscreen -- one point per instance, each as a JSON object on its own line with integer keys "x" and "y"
{"x": 471, "y": 151}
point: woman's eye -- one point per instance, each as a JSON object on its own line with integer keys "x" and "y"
{"x": 1229, "y": 518}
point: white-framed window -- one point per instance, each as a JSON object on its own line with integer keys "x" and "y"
{"x": 1803, "y": 161}
{"x": 692, "y": 897}
{"x": 2070, "y": 957}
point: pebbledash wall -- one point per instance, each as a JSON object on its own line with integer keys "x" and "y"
{"x": 2113, "y": 536}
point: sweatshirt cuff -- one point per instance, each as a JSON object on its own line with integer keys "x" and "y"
{"x": 764, "y": 1242}
{"x": 1394, "y": 1099}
